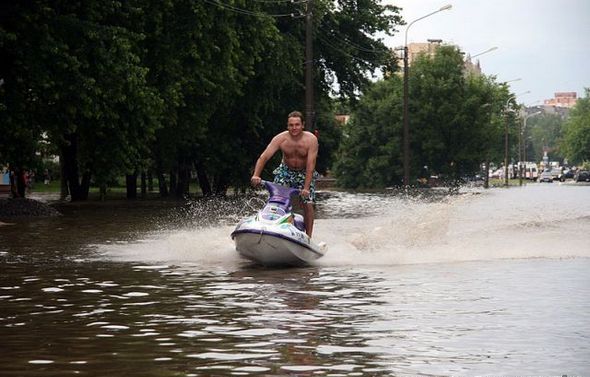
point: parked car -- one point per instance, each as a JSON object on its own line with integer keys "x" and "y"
{"x": 499, "y": 173}
{"x": 546, "y": 176}
{"x": 582, "y": 176}
{"x": 556, "y": 173}
{"x": 530, "y": 172}
{"x": 567, "y": 174}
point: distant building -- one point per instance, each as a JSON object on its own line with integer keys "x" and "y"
{"x": 562, "y": 99}
{"x": 563, "y": 112}
{"x": 470, "y": 67}
{"x": 415, "y": 49}
{"x": 429, "y": 49}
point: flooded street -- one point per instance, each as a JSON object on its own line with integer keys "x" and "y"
{"x": 482, "y": 282}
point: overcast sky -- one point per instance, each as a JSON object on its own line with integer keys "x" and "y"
{"x": 545, "y": 43}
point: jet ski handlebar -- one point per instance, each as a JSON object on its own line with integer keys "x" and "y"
{"x": 279, "y": 193}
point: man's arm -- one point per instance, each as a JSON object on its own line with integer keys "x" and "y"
{"x": 312, "y": 155}
{"x": 266, "y": 155}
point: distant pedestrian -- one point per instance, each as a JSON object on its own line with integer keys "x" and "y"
{"x": 29, "y": 180}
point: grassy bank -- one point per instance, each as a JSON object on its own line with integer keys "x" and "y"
{"x": 113, "y": 193}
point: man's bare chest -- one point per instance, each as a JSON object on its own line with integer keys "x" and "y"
{"x": 294, "y": 148}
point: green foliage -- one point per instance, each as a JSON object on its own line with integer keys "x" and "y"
{"x": 456, "y": 122}
{"x": 260, "y": 112}
{"x": 545, "y": 133}
{"x": 452, "y": 122}
{"x": 74, "y": 73}
{"x": 436, "y": 94}
{"x": 118, "y": 87}
{"x": 484, "y": 109}
{"x": 576, "y": 140}
{"x": 346, "y": 49}
{"x": 370, "y": 154}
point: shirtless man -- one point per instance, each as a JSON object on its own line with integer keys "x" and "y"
{"x": 297, "y": 169}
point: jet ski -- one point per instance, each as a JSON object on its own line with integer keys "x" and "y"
{"x": 275, "y": 235}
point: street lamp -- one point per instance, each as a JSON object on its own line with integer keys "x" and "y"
{"x": 472, "y": 66}
{"x": 484, "y": 52}
{"x": 513, "y": 80}
{"x": 405, "y": 99}
{"x": 520, "y": 135}
{"x": 506, "y": 135}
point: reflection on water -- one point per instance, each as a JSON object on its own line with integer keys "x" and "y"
{"x": 477, "y": 283}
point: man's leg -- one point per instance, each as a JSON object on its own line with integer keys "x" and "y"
{"x": 308, "y": 218}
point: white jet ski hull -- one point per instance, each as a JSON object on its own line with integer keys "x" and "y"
{"x": 276, "y": 236}
{"x": 282, "y": 245}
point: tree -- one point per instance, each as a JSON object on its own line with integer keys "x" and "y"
{"x": 576, "y": 140}
{"x": 346, "y": 45}
{"x": 276, "y": 88}
{"x": 456, "y": 121}
{"x": 441, "y": 115}
{"x": 19, "y": 130}
{"x": 174, "y": 85}
{"x": 77, "y": 72}
{"x": 370, "y": 153}
{"x": 546, "y": 133}
{"x": 485, "y": 110}
{"x": 244, "y": 117}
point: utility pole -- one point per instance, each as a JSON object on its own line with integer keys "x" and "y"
{"x": 520, "y": 131}
{"x": 506, "y": 149}
{"x": 406, "y": 121}
{"x": 309, "y": 108}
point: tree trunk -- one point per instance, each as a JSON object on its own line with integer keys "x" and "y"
{"x": 72, "y": 176}
{"x": 182, "y": 189}
{"x": 173, "y": 182}
{"x": 13, "y": 183}
{"x": 63, "y": 190}
{"x": 486, "y": 174}
{"x": 85, "y": 186}
{"x": 131, "y": 184}
{"x": 103, "y": 191}
{"x": 143, "y": 184}
{"x": 21, "y": 184}
{"x": 162, "y": 185}
{"x": 220, "y": 186}
{"x": 150, "y": 181}
{"x": 203, "y": 179}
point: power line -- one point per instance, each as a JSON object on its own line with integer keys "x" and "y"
{"x": 280, "y": 1}
{"x": 247, "y": 12}
{"x": 340, "y": 50}
{"x": 345, "y": 41}
{"x": 344, "y": 52}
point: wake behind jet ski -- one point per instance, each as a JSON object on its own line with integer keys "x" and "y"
{"x": 276, "y": 235}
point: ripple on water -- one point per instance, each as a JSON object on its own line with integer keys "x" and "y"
{"x": 371, "y": 312}
{"x": 225, "y": 356}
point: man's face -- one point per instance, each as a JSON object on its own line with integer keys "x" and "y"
{"x": 295, "y": 126}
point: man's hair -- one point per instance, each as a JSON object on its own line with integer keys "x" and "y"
{"x": 296, "y": 114}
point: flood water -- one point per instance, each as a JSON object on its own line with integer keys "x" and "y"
{"x": 484, "y": 282}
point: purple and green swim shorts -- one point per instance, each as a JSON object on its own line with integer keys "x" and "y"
{"x": 296, "y": 179}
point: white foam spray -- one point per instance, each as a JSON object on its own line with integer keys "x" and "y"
{"x": 532, "y": 222}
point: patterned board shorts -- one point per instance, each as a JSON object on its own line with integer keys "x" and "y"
{"x": 296, "y": 179}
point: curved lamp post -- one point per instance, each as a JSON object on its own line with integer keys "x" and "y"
{"x": 506, "y": 135}
{"x": 513, "y": 80}
{"x": 405, "y": 110}
{"x": 484, "y": 52}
